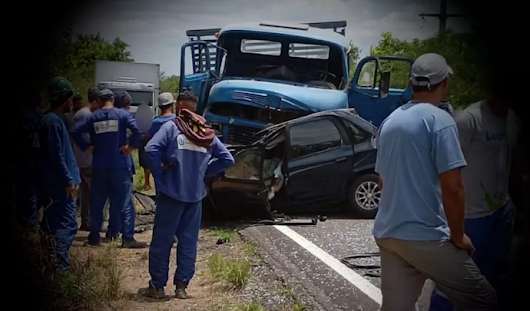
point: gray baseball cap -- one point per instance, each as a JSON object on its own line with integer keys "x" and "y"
{"x": 429, "y": 69}
{"x": 165, "y": 99}
{"x": 105, "y": 94}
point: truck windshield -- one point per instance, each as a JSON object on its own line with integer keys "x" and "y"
{"x": 315, "y": 65}
{"x": 141, "y": 97}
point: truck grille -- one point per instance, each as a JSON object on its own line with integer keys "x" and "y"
{"x": 240, "y": 135}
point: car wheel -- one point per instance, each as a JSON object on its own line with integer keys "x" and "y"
{"x": 364, "y": 195}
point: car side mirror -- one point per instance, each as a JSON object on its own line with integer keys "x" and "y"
{"x": 384, "y": 84}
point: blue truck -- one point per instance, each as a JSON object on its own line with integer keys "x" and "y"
{"x": 248, "y": 76}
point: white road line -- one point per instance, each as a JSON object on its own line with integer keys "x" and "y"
{"x": 355, "y": 279}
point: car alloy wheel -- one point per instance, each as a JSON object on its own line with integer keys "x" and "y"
{"x": 367, "y": 195}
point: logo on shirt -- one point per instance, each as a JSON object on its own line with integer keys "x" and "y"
{"x": 106, "y": 126}
{"x": 180, "y": 140}
{"x": 185, "y": 144}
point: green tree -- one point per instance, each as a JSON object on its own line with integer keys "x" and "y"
{"x": 354, "y": 59}
{"x": 169, "y": 83}
{"x": 465, "y": 86}
{"x": 75, "y": 56}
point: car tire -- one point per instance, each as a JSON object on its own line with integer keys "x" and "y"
{"x": 363, "y": 194}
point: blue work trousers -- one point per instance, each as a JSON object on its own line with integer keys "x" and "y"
{"x": 492, "y": 238}
{"x": 60, "y": 220}
{"x": 128, "y": 218}
{"x": 26, "y": 197}
{"x": 114, "y": 184}
{"x": 183, "y": 220}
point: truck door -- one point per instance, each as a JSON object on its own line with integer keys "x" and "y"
{"x": 199, "y": 71}
{"x": 364, "y": 94}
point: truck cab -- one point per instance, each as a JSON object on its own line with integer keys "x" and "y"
{"x": 248, "y": 76}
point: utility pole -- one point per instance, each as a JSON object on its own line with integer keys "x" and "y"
{"x": 442, "y": 16}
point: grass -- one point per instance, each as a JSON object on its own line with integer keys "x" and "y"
{"x": 298, "y": 307}
{"x": 94, "y": 282}
{"x": 139, "y": 177}
{"x": 232, "y": 273}
{"x": 286, "y": 290}
{"x": 251, "y": 250}
{"x": 226, "y": 235}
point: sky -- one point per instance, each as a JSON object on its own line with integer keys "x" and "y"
{"x": 156, "y": 29}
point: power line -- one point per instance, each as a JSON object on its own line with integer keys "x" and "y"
{"x": 442, "y": 16}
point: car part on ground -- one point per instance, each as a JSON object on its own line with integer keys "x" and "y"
{"x": 372, "y": 270}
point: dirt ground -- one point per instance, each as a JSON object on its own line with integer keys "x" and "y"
{"x": 264, "y": 291}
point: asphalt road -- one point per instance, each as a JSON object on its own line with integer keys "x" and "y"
{"x": 308, "y": 257}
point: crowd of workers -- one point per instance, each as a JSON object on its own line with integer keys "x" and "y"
{"x": 445, "y": 213}
{"x": 450, "y": 190}
{"x": 82, "y": 148}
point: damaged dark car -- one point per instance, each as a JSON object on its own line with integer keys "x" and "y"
{"x": 302, "y": 166}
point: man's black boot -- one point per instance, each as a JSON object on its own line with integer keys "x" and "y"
{"x": 152, "y": 292}
{"x": 133, "y": 244}
{"x": 180, "y": 291}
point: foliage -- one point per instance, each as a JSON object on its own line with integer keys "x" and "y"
{"x": 354, "y": 58}
{"x": 74, "y": 56}
{"x": 169, "y": 83}
{"x": 465, "y": 86}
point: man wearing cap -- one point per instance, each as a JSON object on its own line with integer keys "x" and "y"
{"x": 489, "y": 131}
{"x": 56, "y": 170}
{"x": 419, "y": 227}
{"x": 179, "y": 156}
{"x": 165, "y": 103}
{"x": 122, "y": 100}
{"x": 111, "y": 177}
{"x": 84, "y": 159}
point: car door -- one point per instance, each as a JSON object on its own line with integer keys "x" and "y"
{"x": 241, "y": 190}
{"x": 319, "y": 157}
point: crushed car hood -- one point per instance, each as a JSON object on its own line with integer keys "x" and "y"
{"x": 277, "y": 95}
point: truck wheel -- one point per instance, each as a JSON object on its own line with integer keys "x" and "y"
{"x": 364, "y": 196}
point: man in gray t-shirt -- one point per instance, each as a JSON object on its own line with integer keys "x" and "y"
{"x": 488, "y": 133}
{"x": 84, "y": 160}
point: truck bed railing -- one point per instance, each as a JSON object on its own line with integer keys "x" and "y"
{"x": 209, "y": 35}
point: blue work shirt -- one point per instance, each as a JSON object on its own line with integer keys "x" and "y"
{"x": 108, "y": 133}
{"x": 183, "y": 180}
{"x": 55, "y": 163}
{"x": 158, "y": 121}
{"x": 415, "y": 144}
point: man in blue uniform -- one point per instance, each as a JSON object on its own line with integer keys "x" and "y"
{"x": 179, "y": 155}
{"x": 26, "y": 200}
{"x": 111, "y": 177}
{"x": 56, "y": 170}
{"x": 122, "y": 100}
{"x": 165, "y": 103}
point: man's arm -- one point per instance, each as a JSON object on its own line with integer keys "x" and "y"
{"x": 224, "y": 158}
{"x": 83, "y": 127}
{"x": 155, "y": 148}
{"x": 134, "y": 140}
{"x": 378, "y": 160}
{"x": 449, "y": 161}
{"x": 56, "y": 156}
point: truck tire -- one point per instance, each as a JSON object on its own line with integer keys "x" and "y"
{"x": 364, "y": 196}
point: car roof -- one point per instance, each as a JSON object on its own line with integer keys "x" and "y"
{"x": 295, "y": 30}
{"x": 274, "y": 129}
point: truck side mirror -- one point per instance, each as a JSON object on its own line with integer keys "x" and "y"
{"x": 384, "y": 84}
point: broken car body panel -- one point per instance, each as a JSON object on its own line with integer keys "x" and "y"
{"x": 289, "y": 168}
